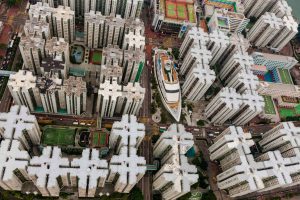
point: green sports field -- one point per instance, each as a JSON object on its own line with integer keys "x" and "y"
{"x": 171, "y": 9}
{"x": 191, "y": 13}
{"x": 99, "y": 139}
{"x": 96, "y": 57}
{"x": 181, "y": 11}
{"x": 58, "y": 135}
{"x": 289, "y": 112}
{"x": 285, "y": 76}
{"x": 269, "y": 105}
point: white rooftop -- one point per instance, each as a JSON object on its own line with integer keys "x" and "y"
{"x": 12, "y": 156}
{"x": 89, "y": 168}
{"x": 128, "y": 129}
{"x": 128, "y": 165}
{"x": 13, "y": 123}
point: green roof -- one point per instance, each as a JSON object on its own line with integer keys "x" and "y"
{"x": 269, "y": 105}
{"x": 285, "y": 76}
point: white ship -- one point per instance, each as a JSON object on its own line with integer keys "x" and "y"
{"x": 168, "y": 83}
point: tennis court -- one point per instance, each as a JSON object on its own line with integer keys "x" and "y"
{"x": 99, "y": 139}
{"x": 180, "y": 10}
{"x": 58, "y": 135}
{"x": 269, "y": 105}
{"x": 171, "y": 9}
{"x": 285, "y": 76}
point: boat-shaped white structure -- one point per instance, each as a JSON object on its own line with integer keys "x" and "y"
{"x": 168, "y": 82}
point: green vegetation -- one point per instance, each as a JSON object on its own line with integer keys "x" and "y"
{"x": 58, "y": 135}
{"x": 209, "y": 196}
{"x": 181, "y": 11}
{"x": 175, "y": 52}
{"x": 3, "y": 86}
{"x": 13, "y": 2}
{"x": 185, "y": 197}
{"x": 200, "y": 123}
{"x": 191, "y": 13}
{"x": 285, "y": 76}
{"x": 269, "y": 105}
{"x": 97, "y": 57}
{"x": 200, "y": 162}
{"x": 135, "y": 194}
{"x": 3, "y": 46}
{"x": 154, "y": 138}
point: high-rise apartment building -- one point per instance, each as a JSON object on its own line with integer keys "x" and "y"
{"x": 32, "y": 51}
{"x": 20, "y": 86}
{"x": 223, "y": 106}
{"x": 288, "y": 32}
{"x": 227, "y": 21}
{"x": 265, "y": 29}
{"x": 114, "y": 98}
{"x": 243, "y": 174}
{"x": 127, "y": 132}
{"x": 35, "y": 28}
{"x": 272, "y": 61}
{"x": 176, "y": 175}
{"x": 281, "y": 8}
{"x": 283, "y": 137}
{"x": 75, "y": 93}
{"x": 258, "y": 7}
{"x": 64, "y": 23}
{"x": 131, "y": 61}
{"x": 197, "y": 82}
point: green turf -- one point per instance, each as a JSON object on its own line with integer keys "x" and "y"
{"x": 95, "y": 139}
{"x": 181, "y": 11}
{"x": 61, "y": 136}
{"x": 102, "y": 139}
{"x": 285, "y": 76}
{"x": 171, "y": 10}
{"x": 285, "y": 112}
{"x": 269, "y": 105}
{"x": 191, "y": 13}
{"x": 97, "y": 57}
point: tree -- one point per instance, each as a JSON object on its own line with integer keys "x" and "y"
{"x": 136, "y": 194}
{"x": 185, "y": 197}
{"x": 13, "y": 2}
{"x": 155, "y": 138}
{"x": 157, "y": 197}
{"x": 200, "y": 123}
{"x": 209, "y": 196}
{"x": 175, "y": 52}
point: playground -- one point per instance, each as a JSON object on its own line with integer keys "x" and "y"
{"x": 95, "y": 57}
{"x": 59, "y": 135}
{"x": 180, "y": 10}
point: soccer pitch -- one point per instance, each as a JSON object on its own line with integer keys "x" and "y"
{"x": 58, "y": 135}
{"x": 285, "y": 76}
